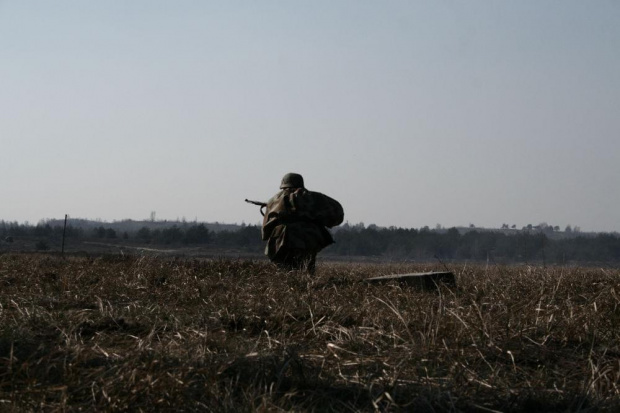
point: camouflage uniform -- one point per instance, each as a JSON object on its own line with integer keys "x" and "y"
{"x": 294, "y": 226}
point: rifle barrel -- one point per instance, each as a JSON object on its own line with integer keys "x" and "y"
{"x": 256, "y": 202}
{"x": 260, "y": 204}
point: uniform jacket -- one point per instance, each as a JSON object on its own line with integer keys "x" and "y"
{"x": 296, "y": 219}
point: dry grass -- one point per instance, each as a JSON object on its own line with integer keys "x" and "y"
{"x": 142, "y": 333}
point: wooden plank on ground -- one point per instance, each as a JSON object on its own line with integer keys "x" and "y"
{"x": 425, "y": 280}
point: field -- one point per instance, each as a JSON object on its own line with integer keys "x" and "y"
{"x": 140, "y": 333}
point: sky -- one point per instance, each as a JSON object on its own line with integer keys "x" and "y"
{"x": 410, "y": 113}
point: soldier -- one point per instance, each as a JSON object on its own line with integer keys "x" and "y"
{"x": 294, "y": 224}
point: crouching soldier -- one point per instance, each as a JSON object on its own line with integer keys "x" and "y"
{"x": 295, "y": 224}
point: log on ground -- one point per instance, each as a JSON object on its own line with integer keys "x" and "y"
{"x": 425, "y": 280}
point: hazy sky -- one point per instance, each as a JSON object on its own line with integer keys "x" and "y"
{"x": 410, "y": 113}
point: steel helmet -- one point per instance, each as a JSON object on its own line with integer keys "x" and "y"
{"x": 292, "y": 180}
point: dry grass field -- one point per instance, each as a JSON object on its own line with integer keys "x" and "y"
{"x": 145, "y": 333}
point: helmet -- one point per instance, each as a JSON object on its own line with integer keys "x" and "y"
{"x": 292, "y": 180}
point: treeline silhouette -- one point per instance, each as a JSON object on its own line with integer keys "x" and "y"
{"x": 355, "y": 241}
{"x": 424, "y": 244}
{"x": 246, "y": 237}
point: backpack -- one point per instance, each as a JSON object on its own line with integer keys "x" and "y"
{"x": 301, "y": 205}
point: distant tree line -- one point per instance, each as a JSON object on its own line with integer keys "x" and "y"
{"x": 424, "y": 244}
{"x": 246, "y": 237}
{"x": 358, "y": 240}
{"x": 14, "y": 229}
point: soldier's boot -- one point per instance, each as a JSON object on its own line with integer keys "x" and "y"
{"x": 311, "y": 264}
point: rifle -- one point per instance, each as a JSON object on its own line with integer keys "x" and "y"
{"x": 260, "y": 204}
